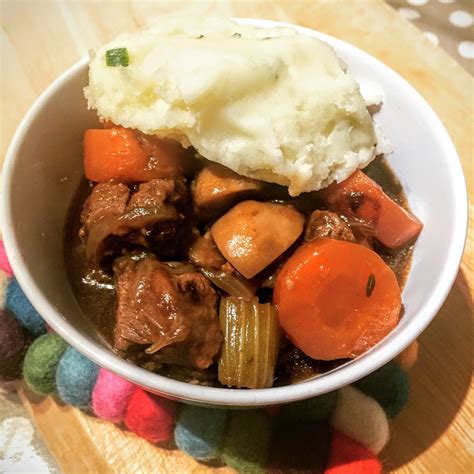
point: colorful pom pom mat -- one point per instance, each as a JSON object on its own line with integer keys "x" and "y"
{"x": 341, "y": 432}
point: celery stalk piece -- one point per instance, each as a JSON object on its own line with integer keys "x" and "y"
{"x": 251, "y": 338}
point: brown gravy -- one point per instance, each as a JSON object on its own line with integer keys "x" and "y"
{"x": 95, "y": 292}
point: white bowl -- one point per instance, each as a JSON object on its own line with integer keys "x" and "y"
{"x": 44, "y": 166}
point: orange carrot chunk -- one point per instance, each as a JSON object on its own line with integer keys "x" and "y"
{"x": 126, "y": 156}
{"x": 361, "y": 197}
{"x": 336, "y": 299}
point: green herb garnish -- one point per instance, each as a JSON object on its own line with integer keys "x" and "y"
{"x": 117, "y": 57}
{"x": 370, "y": 285}
{"x": 236, "y": 35}
{"x": 200, "y": 36}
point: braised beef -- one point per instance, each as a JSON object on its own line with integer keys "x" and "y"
{"x": 327, "y": 224}
{"x": 203, "y": 252}
{"x": 157, "y": 192}
{"x": 106, "y": 200}
{"x": 171, "y": 317}
{"x": 165, "y": 237}
{"x": 165, "y": 158}
{"x": 149, "y": 218}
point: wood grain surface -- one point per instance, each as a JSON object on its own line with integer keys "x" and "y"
{"x": 434, "y": 433}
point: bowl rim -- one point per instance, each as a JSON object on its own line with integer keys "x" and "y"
{"x": 343, "y": 375}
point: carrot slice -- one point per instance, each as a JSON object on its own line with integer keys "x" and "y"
{"x": 336, "y": 299}
{"x": 361, "y": 197}
{"x": 118, "y": 154}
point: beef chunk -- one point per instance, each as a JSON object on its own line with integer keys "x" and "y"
{"x": 106, "y": 200}
{"x": 149, "y": 218}
{"x": 165, "y": 237}
{"x": 203, "y": 252}
{"x": 327, "y": 224}
{"x": 172, "y": 316}
{"x": 157, "y": 192}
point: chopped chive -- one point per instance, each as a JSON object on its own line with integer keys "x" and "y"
{"x": 117, "y": 57}
{"x": 200, "y": 36}
{"x": 370, "y": 285}
{"x": 236, "y": 35}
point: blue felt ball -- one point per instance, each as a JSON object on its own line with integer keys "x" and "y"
{"x": 18, "y": 304}
{"x": 199, "y": 431}
{"x": 76, "y": 376}
{"x": 389, "y": 386}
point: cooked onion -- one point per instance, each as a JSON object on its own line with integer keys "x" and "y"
{"x": 233, "y": 284}
{"x": 178, "y": 268}
{"x": 134, "y": 219}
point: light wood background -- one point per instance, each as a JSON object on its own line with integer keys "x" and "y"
{"x": 434, "y": 434}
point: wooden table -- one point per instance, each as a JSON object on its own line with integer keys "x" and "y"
{"x": 434, "y": 433}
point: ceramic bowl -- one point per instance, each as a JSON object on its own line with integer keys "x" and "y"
{"x": 43, "y": 168}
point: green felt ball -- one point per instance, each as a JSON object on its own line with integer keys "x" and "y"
{"x": 389, "y": 386}
{"x": 39, "y": 366}
{"x": 314, "y": 409}
{"x": 247, "y": 441}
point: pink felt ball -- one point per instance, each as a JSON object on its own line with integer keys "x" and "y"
{"x": 150, "y": 416}
{"x": 4, "y": 263}
{"x": 110, "y": 396}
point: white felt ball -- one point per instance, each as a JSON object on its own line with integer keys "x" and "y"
{"x": 361, "y": 418}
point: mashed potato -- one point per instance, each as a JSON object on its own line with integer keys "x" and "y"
{"x": 268, "y": 103}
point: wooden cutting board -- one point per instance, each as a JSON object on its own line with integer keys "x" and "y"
{"x": 434, "y": 433}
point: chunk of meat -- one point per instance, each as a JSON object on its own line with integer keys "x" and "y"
{"x": 174, "y": 315}
{"x": 327, "y": 224}
{"x": 217, "y": 188}
{"x": 362, "y": 198}
{"x": 160, "y": 233}
{"x": 149, "y": 215}
{"x": 159, "y": 191}
{"x": 253, "y": 234}
{"x": 203, "y": 252}
{"x": 106, "y": 200}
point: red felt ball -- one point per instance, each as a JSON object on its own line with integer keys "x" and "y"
{"x": 346, "y": 456}
{"x": 150, "y": 416}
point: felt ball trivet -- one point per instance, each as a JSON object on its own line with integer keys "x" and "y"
{"x": 150, "y": 416}
{"x": 247, "y": 440}
{"x": 75, "y": 378}
{"x": 13, "y": 344}
{"x": 339, "y": 432}
{"x": 200, "y": 431}
{"x": 348, "y": 457}
{"x": 41, "y": 360}
{"x": 18, "y": 304}
{"x": 110, "y": 396}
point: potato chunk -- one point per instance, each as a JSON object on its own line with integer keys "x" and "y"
{"x": 253, "y": 234}
{"x": 217, "y": 187}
